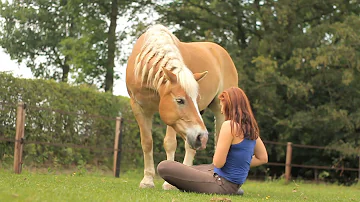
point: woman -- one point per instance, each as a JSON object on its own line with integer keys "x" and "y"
{"x": 239, "y": 147}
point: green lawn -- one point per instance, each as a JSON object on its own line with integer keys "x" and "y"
{"x": 90, "y": 187}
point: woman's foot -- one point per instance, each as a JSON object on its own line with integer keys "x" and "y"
{"x": 240, "y": 191}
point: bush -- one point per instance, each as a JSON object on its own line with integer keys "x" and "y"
{"x": 58, "y": 113}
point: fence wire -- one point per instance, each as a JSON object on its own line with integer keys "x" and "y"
{"x": 69, "y": 138}
{"x": 72, "y": 137}
{"x": 7, "y": 131}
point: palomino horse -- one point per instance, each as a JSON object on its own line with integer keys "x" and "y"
{"x": 178, "y": 80}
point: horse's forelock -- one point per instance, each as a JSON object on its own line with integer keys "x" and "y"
{"x": 161, "y": 45}
{"x": 188, "y": 83}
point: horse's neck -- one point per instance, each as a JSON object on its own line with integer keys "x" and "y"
{"x": 146, "y": 96}
{"x": 184, "y": 52}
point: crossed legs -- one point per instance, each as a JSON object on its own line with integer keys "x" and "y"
{"x": 199, "y": 178}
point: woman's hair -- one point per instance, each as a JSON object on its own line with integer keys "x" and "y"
{"x": 237, "y": 109}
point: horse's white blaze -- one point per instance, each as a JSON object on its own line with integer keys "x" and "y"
{"x": 197, "y": 108}
{"x": 193, "y": 131}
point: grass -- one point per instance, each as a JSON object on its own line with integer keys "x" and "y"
{"x": 30, "y": 186}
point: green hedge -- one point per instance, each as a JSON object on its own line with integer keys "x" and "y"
{"x": 64, "y": 114}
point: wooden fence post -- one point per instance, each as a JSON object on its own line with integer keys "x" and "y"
{"x": 316, "y": 176}
{"x": 117, "y": 145}
{"x": 288, "y": 162}
{"x": 20, "y": 131}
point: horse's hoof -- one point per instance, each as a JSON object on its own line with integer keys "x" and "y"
{"x": 147, "y": 182}
{"x": 144, "y": 186}
{"x": 167, "y": 186}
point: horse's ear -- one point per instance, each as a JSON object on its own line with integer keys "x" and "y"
{"x": 169, "y": 75}
{"x": 199, "y": 76}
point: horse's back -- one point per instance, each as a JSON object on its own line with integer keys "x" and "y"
{"x": 211, "y": 57}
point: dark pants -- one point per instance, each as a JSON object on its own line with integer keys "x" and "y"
{"x": 200, "y": 178}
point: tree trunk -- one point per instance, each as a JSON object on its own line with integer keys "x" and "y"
{"x": 109, "y": 77}
{"x": 66, "y": 70}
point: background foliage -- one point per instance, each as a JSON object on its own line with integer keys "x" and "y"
{"x": 298, "y": 61}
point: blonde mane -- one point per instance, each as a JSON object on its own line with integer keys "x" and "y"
{"x": 161, "y": 45}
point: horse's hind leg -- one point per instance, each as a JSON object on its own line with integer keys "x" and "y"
{"x": 170, "y": 145}
{"x": 145, "y": 124}
{"x": 219, "y": 118}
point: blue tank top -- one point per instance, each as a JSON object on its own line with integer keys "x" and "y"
{"x": 237, "y": 165}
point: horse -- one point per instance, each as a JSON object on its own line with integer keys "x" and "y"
{"x": 178, "y": 80}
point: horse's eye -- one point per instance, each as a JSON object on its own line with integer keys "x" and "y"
{"x": 180, "y": 101}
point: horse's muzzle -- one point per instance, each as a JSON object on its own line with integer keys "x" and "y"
{"x": 199, "y": 142}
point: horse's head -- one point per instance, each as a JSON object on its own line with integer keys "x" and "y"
{"x": 180, "y": 111}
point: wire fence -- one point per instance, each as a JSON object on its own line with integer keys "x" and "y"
{"x": 82, "y": 132}
{"x": 57, "y": 137}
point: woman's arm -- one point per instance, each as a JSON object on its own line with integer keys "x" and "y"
{"x": 260, "y": 154}
{"x": 223, "y": 145}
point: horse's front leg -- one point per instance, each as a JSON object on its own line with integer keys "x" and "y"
{"x": 170, "y": 145}
{"x": 145, "y": 124}
{"x": 189, "y": 155}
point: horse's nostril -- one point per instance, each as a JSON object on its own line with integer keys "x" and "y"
{"x": 198, "y": 138}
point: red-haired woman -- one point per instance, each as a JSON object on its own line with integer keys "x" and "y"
{"x": 238, "y": 148}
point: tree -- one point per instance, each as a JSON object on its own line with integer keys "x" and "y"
{"x": 32, "y": 31}
{"x": 64, "y": 38}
